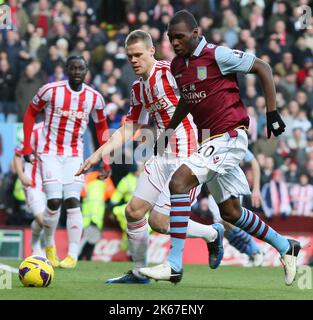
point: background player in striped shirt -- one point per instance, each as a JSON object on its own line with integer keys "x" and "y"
{"x": 155, "y": 93}
{"x": 206, "y": 76}
{"x": 30, "y": 176}
{"x": 66, "y": 106}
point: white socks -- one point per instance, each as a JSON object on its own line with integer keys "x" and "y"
{"x": 138, "y": 239}
{"x": 50, "y": 223}
{"x": 74, "y": 226}
{"x": 199, "y": 230}
{"x": 36, "y": 233}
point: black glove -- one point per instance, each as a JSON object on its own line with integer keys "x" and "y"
{"x": 275, "y": 124}
{"x": 161, "y": 144}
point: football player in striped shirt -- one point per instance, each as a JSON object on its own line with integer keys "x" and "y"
{"x": 155, "y": 94}
{"x": 30, "y": 176}
{"x": 66, "y": 106}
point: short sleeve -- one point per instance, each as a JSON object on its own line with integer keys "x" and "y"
{"x": 41, "y": 98}
{"x": 137, "y": 112}
{"x": 248, "y": 157}
{"x": 232, "y": 61}
{"x": 98, "y": 110}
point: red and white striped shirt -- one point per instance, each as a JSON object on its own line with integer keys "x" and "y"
{"x": 158, "y": 96}
{"x": 302, "y": 198}
{"x": 66, "y": 116}
{"x": 32, "y": 170}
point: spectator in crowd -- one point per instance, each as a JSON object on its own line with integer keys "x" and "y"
{"x": 264, "y": 145}
{"x": 286, "y": 66}
{"x": 18, "y": 55}
{"x": 301, "y": 196}
{"x": 62, "y": 12}
{"x": 8, "y": 109}
{"x": 41, "y": 16}
{"x": 58, "y": 74}
{"x": 26, "y": 88}
{"x": 282, "y": 153}
{"x": 53, "y": 59}
{"x": 307, "y": 87}
{"x": 230, "y": 29}
{"x": 297, "y": 144}
{"x": 276, "y": 197}
{"x": 302, "y": 99}
{"x": 19, "y": 16}
{"x": 302, "y": 121}
{"x": 107, "y": 70}
{"x": 292, "y": 173}
{"x": 162, "y": 6}
{"x": 267, "y": 168}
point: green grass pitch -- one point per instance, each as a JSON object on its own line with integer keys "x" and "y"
{"x": 199, "y": 282}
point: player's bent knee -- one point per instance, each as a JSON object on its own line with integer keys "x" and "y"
{"x": 177, "y": 185}
{"x": 159, "y": 222}
{"x": 71, "y": 203}
{"x": 133, "y": 213}
{"x": 229, "y": 212}
{"x": 54, "y": 204}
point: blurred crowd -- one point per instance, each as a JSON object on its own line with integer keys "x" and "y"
{"x": 44, "y": 33}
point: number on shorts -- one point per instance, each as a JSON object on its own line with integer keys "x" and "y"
{"x": 208, "y": 152}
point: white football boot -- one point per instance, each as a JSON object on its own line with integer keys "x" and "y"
{"x": 289, "y": 261}
{"x": 162, "y": 272}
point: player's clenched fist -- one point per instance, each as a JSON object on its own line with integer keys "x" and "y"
{"x": 275, "y": 124}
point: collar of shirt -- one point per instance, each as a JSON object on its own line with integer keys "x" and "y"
{"x": 75, "y": 92}
{"x": 200, "y": 47}
{"x": 150, "y": 74}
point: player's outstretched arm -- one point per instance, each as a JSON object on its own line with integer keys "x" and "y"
{"x": 118, "y": 138}
{"x": 180, "y": 113}
{"x": 275, "y": 124}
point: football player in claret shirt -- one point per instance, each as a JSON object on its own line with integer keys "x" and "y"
{"x": 155, "y": 93}
{"x": 206, "y": 77}
{"x": 66, "y": 106}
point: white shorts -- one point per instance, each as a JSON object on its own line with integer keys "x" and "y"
{"x": 58, "y": 176}
{"x": 36, "y": 200}
{"x": 216, "y": 163}
{"x": 153, "y": 183}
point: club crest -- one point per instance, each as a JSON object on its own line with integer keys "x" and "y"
{"x": 201, "y": 73}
